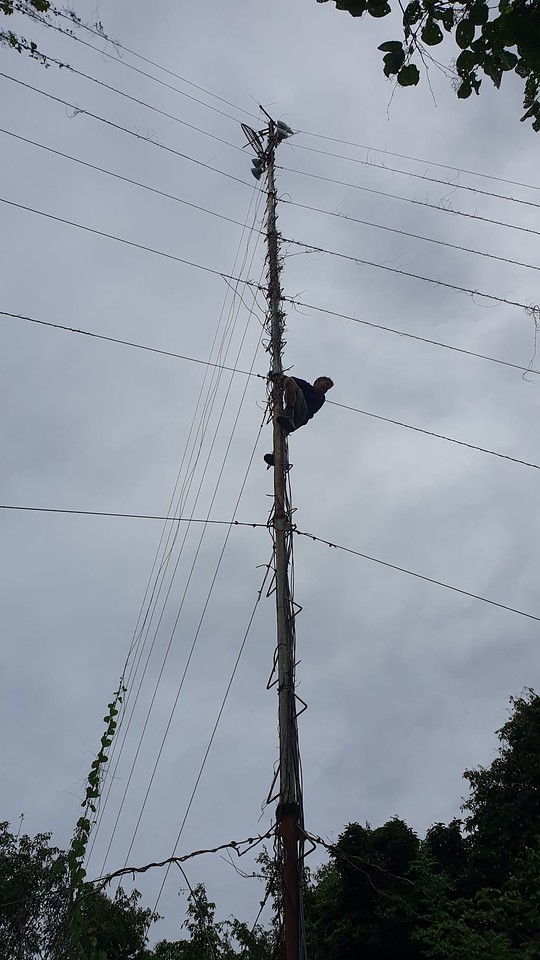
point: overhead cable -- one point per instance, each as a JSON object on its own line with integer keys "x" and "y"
{"x": 193, "y": 643}
{"x": 295, "y": 303}
{"x": 130, "y": 243}
{"x": 334, "y": 403}
{"x": 431, "y": 163}
{"x": 419, "y": 176}
{"x": 294, "y": 203}
{"x": 234, "y": 845}
{"x": 215, "y": 727}
{"x": 242, "y": 110}
{"x": 117, "y": 126}
{"x": 419, "y": 576}
{"x": 419, "y": 203}
{"x": 142, "y": 103}
{"x": 119, "y": 176}
{"x": 131, "y": 343}
{"x": 128, "y": 516}
{"x": 410, "y": 336}
{"x": 408, "y": 273}
{"x": 406, "y": 233}
{"x": 161, "y": 572}
{"x": 307, "y": 246}
{"x": 304, "y": 206}
{"x": 129, "y": 66}
{"x": 141, "y": 637}
{"x": 430, "y": 433}
{"x": 139, "y": 56}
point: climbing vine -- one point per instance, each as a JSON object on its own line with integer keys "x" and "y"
{"x": 81, "y": 836}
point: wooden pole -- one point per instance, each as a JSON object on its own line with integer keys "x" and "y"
{"x": 290, "y": 802}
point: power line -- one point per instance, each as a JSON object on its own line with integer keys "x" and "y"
{"x": 190, "y": 263}
{"x": 334, "y": 403}
{"x": 130, "y": 243}
{"x": 153, "y": 63}
{"x": 215, "y": 727}
{"x": 167, "y": 553}
{"x": 216, "y": 170}
{"x": 129, "y": 66}
{"x": 241, "y": 110}
{"x": 195, "y": 638}
{"x": 406, "y": 233}
{"x": 262, "y": 377}
{"x": 142, "y": 103}
{"x": 304, "y": 206}
{"x": 119, "y": 176}
{"x": 235, "y": 845}
{"x": 439, "y": 436}
{"x": 431, "y": 163}
{"x": 419, "y": 576}
{"x": 117, "y": 126}
{"x": 319, "y": 136}
{"x": 420, "y": 203}
{"x": 410, "y": 336}
{"x": 162, "y": 571}
{"x": 128, "y": 516}
{"x": 420, "y": 176}
{"x": 178, "y": 508}
{"x": 130, "y": 343}
{"x": 408, "y": 273}
{"x": 293, "y": 302}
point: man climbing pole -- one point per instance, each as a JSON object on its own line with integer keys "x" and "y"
{"x": 302, "y": 401}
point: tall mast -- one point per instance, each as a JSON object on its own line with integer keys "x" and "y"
{"x": 289, "y": 814}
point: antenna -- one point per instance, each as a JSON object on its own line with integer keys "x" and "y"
{"x": 280, "y": 132}
{"x": 253, "y": 138}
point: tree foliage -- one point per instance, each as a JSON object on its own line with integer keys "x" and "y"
{"x": 44, "y": 13}
{"x": 490, "y": 41}
{"x": 34, "y": 893}
{"x": 363, "y": 902}
{"x": 35, "y": 921}
{"x": 207, "y": 938}
{"x": 504, "y": 803}
{"x": 469, "y": 889}
{"x": 29, "y": 8}
{"x": 35, "y": 897}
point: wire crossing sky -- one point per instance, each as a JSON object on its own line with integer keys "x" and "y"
{"x": 260, "y": 376}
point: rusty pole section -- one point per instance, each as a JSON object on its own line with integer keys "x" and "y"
{"x": 289, "y": 812}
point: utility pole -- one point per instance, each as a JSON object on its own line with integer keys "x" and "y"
{"x": 289, "y": 814}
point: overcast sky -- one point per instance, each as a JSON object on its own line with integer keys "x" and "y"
{"x": 406, "y": 682}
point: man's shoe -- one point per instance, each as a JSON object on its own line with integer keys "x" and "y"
{"x": 269, "y": 460}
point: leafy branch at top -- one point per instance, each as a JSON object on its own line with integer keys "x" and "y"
{"x": 491, "y": 41}
{"x": 43, "y": 12}
{"x": 9, "y": 38}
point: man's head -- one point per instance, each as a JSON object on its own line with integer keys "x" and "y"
{"x": 323, "y": 384}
